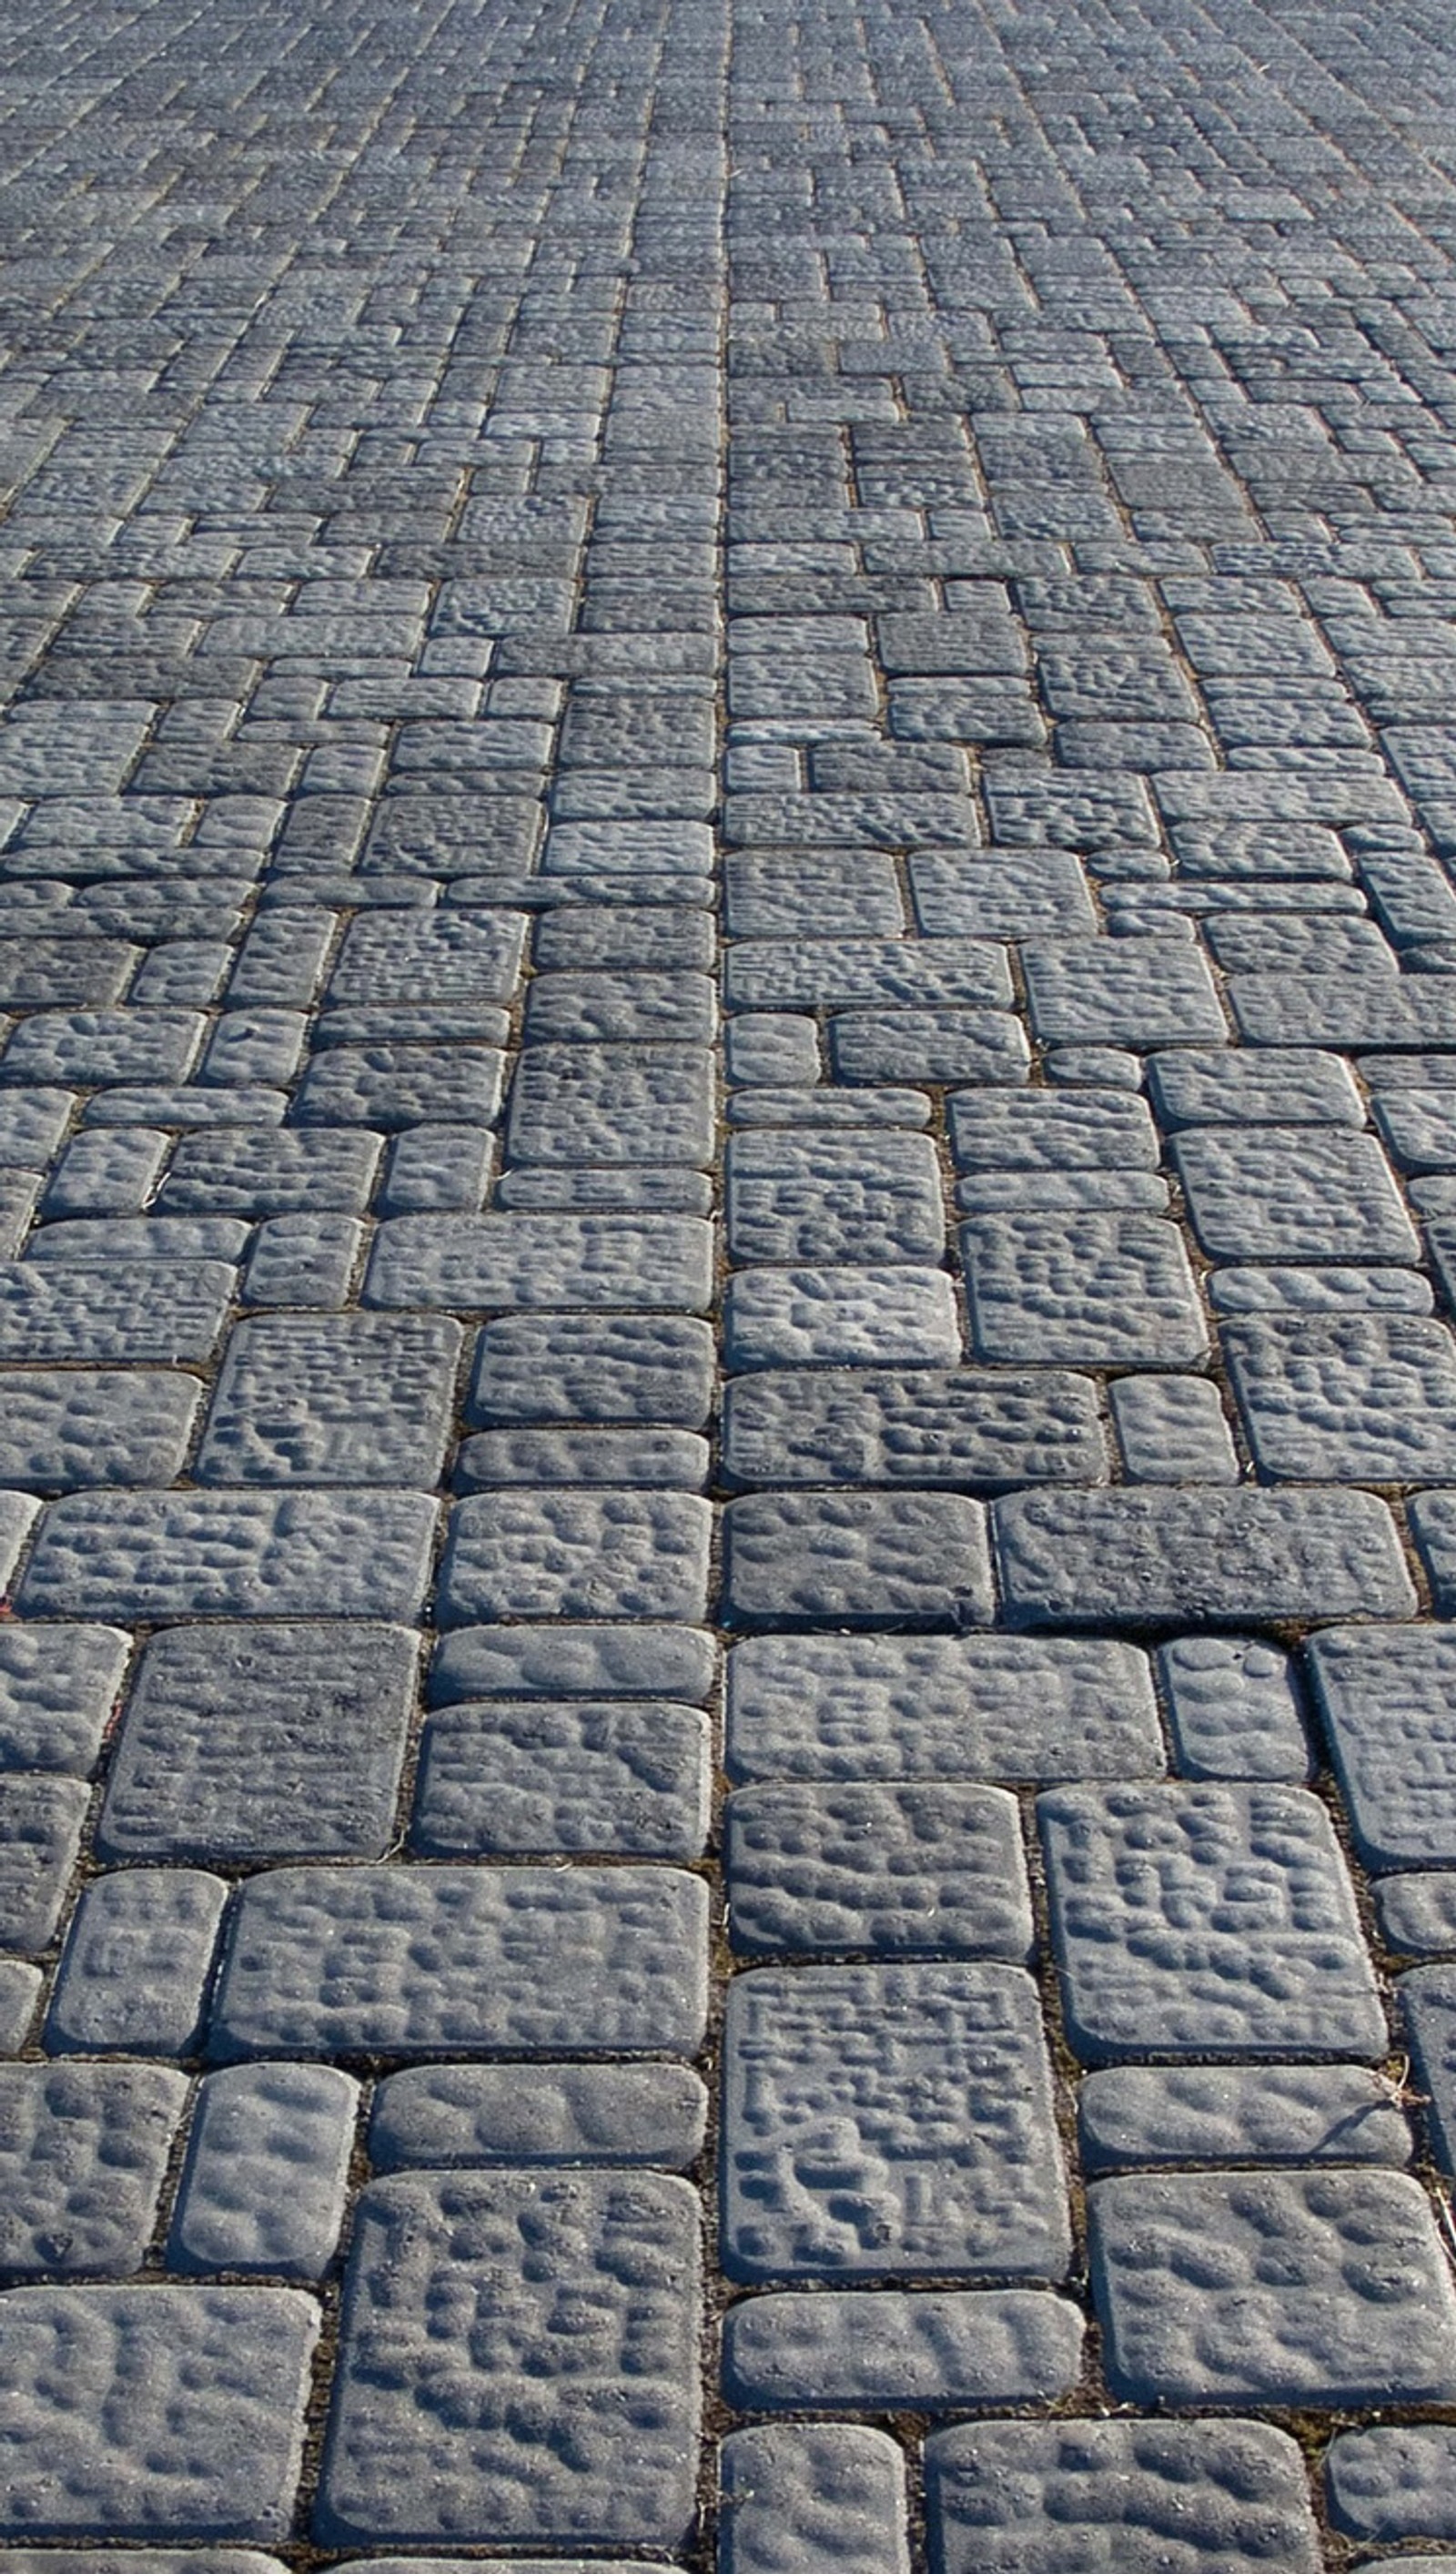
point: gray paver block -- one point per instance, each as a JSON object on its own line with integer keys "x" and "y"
{"x": 242, "y": 1553}
{"x": 868, "y": 973}
{"x": 390, "y": 1088}
{"x": 153, "y": 2413}
{"x": 1292, "y": 1193}
{"x": 1205, "y": 1920}
{"x": 1337, "y": 1290}
{"x": 1234, "y": 1708}
{"x": 672, "y": 1460}
{"x": 1428, "y": 2003}
{"x": 135, "y": 1967}
{"x": 57, "y": 1688}
{"x": 885, "y": 2120}
{"x": 929, "y": 1045}
{"x": 852, "y": 1559}
{"x": 612, "y": 1103}
{"x": 1394, "y": 2481}
{"x": 20, "y": 1987}
{"x": 812, "y": 2496}
{"x": 619, "y": 1007}
{"x": 1127, "y": 992}
{"x": 263, "y": 2188}
{"x": 605, "y": 1262}
{"x": 415, "y": 1962}
{"x": 1323, "y": 2289}
{"x": 1275, "y": 2114}
{"x": 1215, "y": 1557}
{"x": 333, "y": 1399}
{"x": 67, "y": 1428}
{"x": 880, "y": 2351}
{"x": 823, "y": 1317}
{"x": 301, "y": 1170}
{"x": 451, "y": 955}
{"x": 303, "y": 1260}
{"x": 624, "y": 1777}
{"x": 83, "y": 2155}
{"x": 866, "y": 1199}
{"x": 1088, "y": 1288}
{"x": 915, "y": 1869}
{"x": 1046, "y": 1131}
{"x": 266, "y": 1741}
{"x": 40, "y": 1832}
{"x": 574, "y": 1662}
{"x": 593, "y": 1368}
{"x": 539, "y": 2113}
{"x": 576, "y": 1554}
{"x": 129, "y": 1313}
{"x": 1417, "y": 1914}
{"x": 1171, "y": 1430}
{"x": 964, "y": 1426}
{"x": 1147, "y": 2497}
{"x": 441, "y": 2430}
{"x": 1433, "y": 1525}
{"x": 1287, "y": 1088}
{"x": 1387, "y": 1703}
{"x": 1361, "y": 1397}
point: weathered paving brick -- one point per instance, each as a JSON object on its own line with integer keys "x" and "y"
{"x": 1171, "y": 1430}
{"x": 83, "y": 2155}
{"x": 1291, "y": 1088}
{"x": 263, "y": 2188}
{"x": 451, "y": 2114}
{"x": 301, "y": 1171}
{"x": 472, "y": 956}
{"x": 1087, "y": 1289}
{"x": 40, "y": 1830}
{"x": 244, "y": 1553}
{"x": 1129, "y": 992}
{"x": 928, "y": 1045}
{"x": 813, "y": 2495}
{"x": 533, "y": 1777}
{"x": 612, "y": 1103}
{"x": 413, "y": 1962}
{"x": 357, "y": 1399}
{"x": 505, "y": 2434}
{"x": 1387, "y": 1703}
{"x": 579, "y": 1554}
{"x": 677, "y": 1460}
{"x": 1323, "y": 2289}
{"x": 1232, "y": 1708}
{"x": 104, "y": 1427}
{"x": 1417, "y": 1914}
{"x": 1048, "y": 1131}
{"x": 905, "y": 1870}
{"x": 647, "y": 1263}
{"x": 1359, "y": 1398}
{"x": 867, "y": 974}
{"x": 582, "y": 1367}
{"x": 1281, "y": 1193}
{"x": 1193, "y": 2497}
{"x": 130, "y": 1312}
{"x": 841, "y": 1317}
{"x": 885, "y": 2120}
{"x": 1213, "y": 1558}
{"x": 851, "y": 1559}
{"x": 863, "y": 1198}
{"x": 1432, "y": 1519}
{"x": 881, "y": 2350}
{"x": 153, "y": 2413}
{"x": 1428, "y": 2005}
{"x": 1394, "y": 2481}
{"x": 1136, "y": 2114}
{"x": 678, "y": 1663}
{"x": 619, "y": 1009}
{"x": 969, "y": 1426}
{"x": 135, "y": 1967}
{"x": 57, "y": 1688}
{"x": 1205, "y": 1921}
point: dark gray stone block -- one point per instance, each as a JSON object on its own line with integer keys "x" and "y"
{"x": 1087, "y": 1288}
{"x": 574, "y": 1662}
{"x": 585, "y": 1367}
{"x": 1292, "y": 1193}
{"x": 1224, "y": 1558}
{"x": 612, "y": 1103}
{"x": 1234, "y": 1708}
{"x": 918, "y": 1426}
{"x": 40, "y": 1832}
{"x": 451, "y": 2114}
{"x": 61, "y": 1430}
{"x": 267, "y": 2171}
{"x": 240, "y": 1554}
{"x": 603, "y": 1262}
{"x": 83, "y": 2154}
{"x": 841, "y": 1317}
{"x": 1394, "y": 2481}
{"x": 262, "y": 1172}
{"x": 822, "y": 2498}
{"x": 880, "y": 2351}
{"x": 130, "y": 1313}
{"x": 537, "y": 1776}
{"x": 135, "y": 1967}
{"x": 1388, "y": 1705}
{"x": 57, "y": 1689}
{"x": 866, "y": 973}
{"x": 1150, "y": 2497}
{"x": 931, "y": 1868}
{"x": 346, "y": 1399}
{"x": 1276, "y": 2113}
{"x": 863, "y": 1198}
{"x": 576, "y": 1554}
{"x": 1417, "y": 1914}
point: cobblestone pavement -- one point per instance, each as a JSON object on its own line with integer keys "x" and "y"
{"x": 814, "y": 1864}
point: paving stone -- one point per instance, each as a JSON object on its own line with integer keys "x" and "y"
{"x": 85, "y": 1048}
{"x": 619, "y": 1007}
{"x": 40, "y": 1830}
{"x": 537, "y": 1777}
{"x": 1433, "y": 1525}
{"x": 591, "y": 2448}
{"x": 436, "y": 1166}
{"x": 1291, "y": 1194}
{"x": 612, "y": 1103}
{"x": 1418, "y": 1130}
{"x": 1171, "y": 1430}
{"x": 451, "y": 955}
{"x": 811, "y": 2495}
{"x": 242, "y": 1554}
{"x": 1324, "y": 2288}
{"x": 1428, "y": 2007}
{"x": 863, "y": 1198}
{"x": 879, "y": 2350}
{"x": 890, "y": 974}
{"x": 303, "y": 1260}
{"x": 1417, "y": 1914}
{"x": 107, "y": 1171}
{"x": 651, "y": 1264}
{"x": 1234, "y": 1708}
{"x": 1318, "y": 1291}
{"x": 800, "y": 893}
{"x": 1387, "y": 1705}
{"x": 261, "y": 1741}
{"x": 833, "y": 1317}
{"x": 392, "y": 1086}
{"x": 1225, "y": 1558}
{"x": 301, "y": 1171}
{"x": 928, "y": 1045}
{"x": 1087, "y": 1288}
{"x": 131, "y": 1312}
{"x": 32, "y": 1123}
{"x": 1019, "y": 893}
{"x": 1393, "y": 2481}
{"x": 1150, "y": 2497}
{"x": 360, "y": 1398}
{"x": 104, "y": 1243}
{"x": 20, "y": 1990}
{"x": 58, "y": 1685}
{"x": 916, "y": 1426}
{"x": 448, "y": 2114}
{"x": 886, "y": 2119}
{"x": 674, "y": 1460}
{"x": 68, "y": 1429}
{"x": 1140, "y": 2114}
{"x": 764, "y": 1049}
{"x": 1205, "y": 1921}
{"x": 523, "y": 1660}
{"x": 415, "y": 1962}
{"x": 827, "y": 1111}
{"x": 1046, "y": 1133}
{"x": 154, "y": 2412}
{"x": 576, "y": 1555}
{"x": 64, "y": 973}
{"x": 136, "y": 1962}
{"x": 1130, "y": 991}
{"x": 903, "y": 1871}
{"x": 83, "y": 2152}
{"x": 928, "y": 1707}
{"x": 851, "y": 1559}
{"x": 578, "y": 1367}
{"x": 264, "y": 2185}
{"x": 1359, "y": 1398}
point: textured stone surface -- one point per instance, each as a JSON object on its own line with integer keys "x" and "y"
{"x": 263, "y": 2188}
{"x": 1428, "y": 2007}
{"x": 601, "y": 1262}
{"x": 357, "y": 1399}
{"x": 539, "y": 2113}
{"x": 1360, "y": 1397}
{"x": 856, "y": 1559}
{"x": 507, "y": 2436}
{"x": 867, "y": 1198}
{"x": 232, "y": 1554}
{"x": 928, "y": 1869}
{"x": 576, "y": 1555}
{"x": 1086, "y": 1289}
{"x": 813, "y": 2495}
{"x": 1233, "y": 1707}
{"x": 40, "y": 1832}
{"x": 597, "y": 1368}
{"x": 1275, "y": 2114}
{"x": 67, "y": 1428}
{"x": 1147, "y": 2497}
{"x": 964, "y": 1426}
{"x": 1219, "y": 1558}
{"x": 535, "y": 1776}
{"x": 1389, "y": 1707}
{"x": 838, "y": 1317}
{"x": 879, "y": 2350}
{"x": 1393, "y": 2483}
{"x": 83, "y": 2155}
{"x": 57, "y": 1688}
{"x": 1293, "y": 1194}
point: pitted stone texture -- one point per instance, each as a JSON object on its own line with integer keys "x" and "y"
{"x": 1127, "y": 992}
{"x": 244, "y": 1553}
{"x": 1417, "y": 1914}
{"x": 534, "y": 1776}
{"x": 415, "y": 1962}
{"x": 461, "y": 2412}
{"x": 1015, "y": 895}
{"x": 153, "y": 2413}
{"x": 135, "y": 1969}
{"x": 1325, "y": 2288}
{"x": 815, "y": 2497}
{"x": 1143, "y": 2497}
{"x": 140, "y": 2560}
{"x": 907, "y": 1870}
{"x": 1419, "y": 1128}
{"x": 970, "y": 1426}
{"x": 1394, "y": 2481}
{"x": 1171, "y": 1430}
{"x": 890, "y": 2119}
{"x": 929, "y": 1045}
{"x": 866, "y": 1199}
{"x": 317, "y": 1170}
{"x": 88, "y": 1047}
{"x": 612, "y": 1103}
{"x": 131, "y": 1312}
{"x": 574, "y": 1662}
{"x": 651, "y": 1264}
{"x": 1389, "y": 1703}
{"x": 20, "y": 1989}
{"x": 1205, "y": 1921}
{"x": 1048, "y": 1131}
{"x": 673, "y": 1460}
{"x": 1225, "y": 1558}
{"x": 303, "y": 1260}
{"x": 1276, "y": 2113}
{"x": 841, "y": 1317}
{"x": 1292, "y": 1193}
{"x": 1359, "y": 1398}
{"x": 585, "y": 1367}
{"x": 32, "y": 1123}
{"x": 801, "y": 893}
{"x": 1428, "y": 2003}
{"x": 451, "y": 2114}
{"x": 62, "y": 1430}
{"x": 866, "y": 973}
{"x": 618, "y": 1009}
{"x": 83, "y": 2155}
{"x": 391, "y": 1087}
{"x": 453, "y": 957}
{"x": 1234, "y": 1708}
{"x": 856, "y": 1559}
{"x": 352, "y": 1399}
{"x": 1432, "y": 1519}
{"x": 105, "y": 1241}
{"x": 266, "y": 1741}
{"x": 1267, "y": 1089}
{"x": 40, "y": 1832}
{"x": 57, "y": 1689}
{"x": 940, "y": 1707}
{"x": 880, "y": 2351}
{"x": 576, "y": 1554}
{"x": 1088, "y": 1288}
{"x": 267, "y": 2171}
